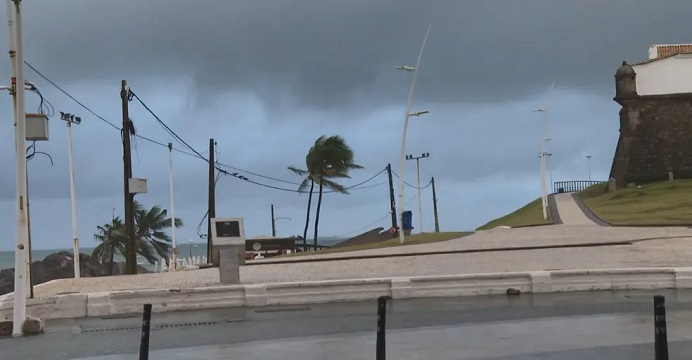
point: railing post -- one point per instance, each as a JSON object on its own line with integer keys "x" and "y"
{"x": 381, "y": 325}
{"x": 660, "y": 331}
{"x": 146, "y": 327}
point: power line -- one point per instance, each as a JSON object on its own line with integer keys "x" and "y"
{"x": 71, "y": 97}
{"x": 376, "y": 221}
{"x": 194, "y": 152}
{"x": 415, "y": 187}
{"x": 235, "y": 175}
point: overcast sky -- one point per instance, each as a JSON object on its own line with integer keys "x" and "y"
{"x": 265, "y": 78}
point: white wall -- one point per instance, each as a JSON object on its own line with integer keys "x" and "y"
{"x": 668, "y": 76}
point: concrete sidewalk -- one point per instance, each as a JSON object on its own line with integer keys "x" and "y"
{"x": 652, "y": 247}
{"x": 569, "y": 211}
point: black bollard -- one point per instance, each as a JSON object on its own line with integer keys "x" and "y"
{"x": 381, "y": 326}
{"x": 146, "y": 327}
{"x": 660, "y": 331}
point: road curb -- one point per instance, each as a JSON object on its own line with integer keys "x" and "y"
{"x": 314, "y": 292}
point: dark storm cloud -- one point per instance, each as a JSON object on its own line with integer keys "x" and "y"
{"x": 325, "y": 53}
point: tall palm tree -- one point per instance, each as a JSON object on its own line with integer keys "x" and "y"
{"x": 303, "y": 185}
{"x": 150, "y": 232}
{"x": 332, "y": 158}
{"x": 111, "y": 238}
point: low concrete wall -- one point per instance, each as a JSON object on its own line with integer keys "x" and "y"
{"x": 130, "y": 302}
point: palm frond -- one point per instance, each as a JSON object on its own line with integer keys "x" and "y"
{"x": 297, "y": 171}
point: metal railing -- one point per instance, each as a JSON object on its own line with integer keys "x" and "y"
{"x": 573, "y": 186}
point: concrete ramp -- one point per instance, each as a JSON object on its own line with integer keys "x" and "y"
{"x": 569, "y": 211}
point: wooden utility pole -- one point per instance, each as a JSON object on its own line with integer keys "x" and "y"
{"x": 130, "y": 248}
{"x": 392, "y": 202}
{"x": 212, "y": 201}
{"x": 273, "y": 223}
{"x": 437, "y": 220}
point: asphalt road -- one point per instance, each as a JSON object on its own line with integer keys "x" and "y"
{"x": 603, "y": 325}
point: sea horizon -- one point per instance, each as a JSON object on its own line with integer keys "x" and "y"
{"x": 184, "y": 250}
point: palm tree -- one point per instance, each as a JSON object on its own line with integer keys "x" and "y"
{"x": 303, "y": 185}
{"x": 150, "y": 232}
{"x": 332, "y": 158}
{"x": 151, "y": 240}
{"x": 112, "y": 239}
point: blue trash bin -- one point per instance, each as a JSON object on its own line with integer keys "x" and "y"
{"x": 407, "y": 221}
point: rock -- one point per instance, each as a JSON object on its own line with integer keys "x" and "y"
{"x": 5, "y": 328}
{"x": 60, "y": 265}
{"x": 32, "y": 326}
{"x": 512, "y": 291}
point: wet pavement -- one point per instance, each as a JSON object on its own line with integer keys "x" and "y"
{"x": 603, "y": 325}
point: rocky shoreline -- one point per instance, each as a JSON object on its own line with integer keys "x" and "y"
{"x": 60, "y": 265}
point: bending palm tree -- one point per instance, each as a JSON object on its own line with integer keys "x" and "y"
{"x": 112, "y": 239}
{"x": 332, "y": 158}
{"x": 150, "y": 232}
{"x": 303, "y": 185}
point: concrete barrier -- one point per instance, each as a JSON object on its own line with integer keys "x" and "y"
{"x": 311, "y": 292}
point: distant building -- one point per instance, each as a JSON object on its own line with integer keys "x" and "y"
{"x": 656, "y": 116}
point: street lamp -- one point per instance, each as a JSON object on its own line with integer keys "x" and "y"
{"x": 420, "y": 205}
{"x": 71, "y": 119}
{"x": 544, "y": 195}
{"x": 588, "y": 165}
{"x": 419, "y": 113}
{"x": 402, "y": 159}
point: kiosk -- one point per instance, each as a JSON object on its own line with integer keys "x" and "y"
{"x": 228, "y": 245}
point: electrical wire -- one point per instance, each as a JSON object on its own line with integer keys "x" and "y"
{"x": 192, "y": 151}
{"x": 199, "y": 226}
{"x": 33, "y": 153}
{"x": 415, "y": 187}
{"x": 389, "y": 214}
{"x": 71, "y": 97}
{"x": 235, "y": 174}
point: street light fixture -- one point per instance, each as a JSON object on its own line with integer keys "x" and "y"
{"x": 402, "y": 159}
{"x": 405, "y": 68}
{"x": 71, "y": 119}
{"x": 420, "y": 204}
{"x": 419, "y": 113}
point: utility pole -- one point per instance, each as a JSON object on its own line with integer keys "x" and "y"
{"x": 22, "y": 225}
{"x": 392, "y": 202}
{"x": 130, "y": 248}
{"x": 212, "y": 201}
{"x": 437, "y": 219}
{"x": 420, "y": 203}
{"x": 273, "y": 223}
{"x": 70, "y": 119}
{"x": 588, "y": 165}
{"x": 174, "y": 262}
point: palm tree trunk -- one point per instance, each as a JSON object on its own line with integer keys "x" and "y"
{"x": 307, "y": 217}
{"x": 110, "y": 264}
{"x": 317, "y": 213}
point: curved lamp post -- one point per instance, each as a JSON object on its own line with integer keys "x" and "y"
{"x": 402, "y": 160}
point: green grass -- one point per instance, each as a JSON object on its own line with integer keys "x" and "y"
{"x": 415, "y": 239}
{"x": 529, "y": 215}
{"x": 660, "y": 203}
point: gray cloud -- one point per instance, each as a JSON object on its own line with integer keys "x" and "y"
{"x": 265, "y": 78}
{"x": 326, "y": 54}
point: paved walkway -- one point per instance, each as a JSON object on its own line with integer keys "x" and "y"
{"x": 569, "y": 211}
{"x": 652, "y": 247}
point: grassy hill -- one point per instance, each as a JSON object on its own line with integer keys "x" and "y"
{"x": 529, "y": 215}
{"x": 661, "y": 203}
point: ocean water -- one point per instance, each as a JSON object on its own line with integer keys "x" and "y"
{"x": 184, "y": 250}
{"x": 7, "y": 257}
